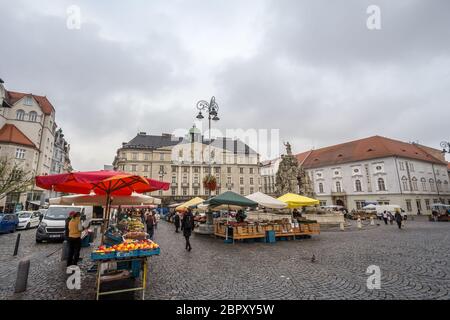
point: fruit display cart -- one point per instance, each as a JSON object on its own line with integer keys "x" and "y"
{"x": 129, "y": 260}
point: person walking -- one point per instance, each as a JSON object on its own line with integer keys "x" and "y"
{"x": 188, "y": 225}
{"x": 405, "y": 217}
{"x": 157, "y": 218}
{"x": 74, "y": 228}
{"x": 150, "y": 221}
{"x": 398, "y": 219}
{"x": 391, "y": 218}
{"x": 176, "y": 221}
{"x": 385, "y": 217}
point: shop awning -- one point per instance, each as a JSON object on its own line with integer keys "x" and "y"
{"x": 295, "y": 200}
{"x": 193, "y": 202}
{"x": 266, "y": 201}
{"x": 230, "y": 198}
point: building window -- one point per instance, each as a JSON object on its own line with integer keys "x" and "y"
{"x": 414, "y": 184}
{"x": 419, "y": 204}
{"x": 358, "y": 185}
{"x": 146, "y": 157}
{"x": 196, "y": 170}
{"x": 408, "y": 205}
{"x": 241, "y": 170}
{"x": 402, "y": 165}
{"x": 405, "y": 183}
{"x": 145, "y": 168}
{"x": 229, "y": 180}
{"x": 160, "y": 192}
{"x": 185, "y": 169}
{"x": 439, "y": 185}
{"x": 161, "y": 156}
{"x": 321, "y": 187}
{"x": 381, "y": 185}
{"x": 32, "y": 116}
{"x": 435, "y": 200}
{"x": 20, "y": 114}
{"x": 338, "y": 186}
{"x": 133, "y": 168}
{"x": 228, "y": 169}
{"x": 174, "y": 169}
{"x": 174, "y": 179}
{"x": 185, "y": 191}
{"x": 251, "y": 170}
{"x": 432, "y": 186}
{"x": 427, "y": 204}
{"x": 28, "y": 101}
{"x": 20, "y": 153}
{"x": 252, "y": 190}
{"x": 424, "y": 184}
{"x": 241, "y": 180}
{"x": 251, "y": 181}
{"x": 184, "y": 179}
{"x": 174, "y": 191}
{"x": 323, "y": 203}
{"x": 162, "y": 170}
{"x": 196, "y": 179}
{"x": 242, "y": 191}
{"x": 411, "y": 167}
{"x": 195, "y": 191}
{"x": 217, "y": 170}
{"x": 134, "y": 156}
{"x": 206, "y": 170}
{"x": 360, "y": 204}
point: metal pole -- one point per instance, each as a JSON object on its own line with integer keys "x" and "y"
{"x": 16, "y": 248}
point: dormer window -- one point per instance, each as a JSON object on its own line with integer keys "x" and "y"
{"x": 369, "y": 150}
{"x": 28, "y": 101}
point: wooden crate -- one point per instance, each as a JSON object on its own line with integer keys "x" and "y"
{"x": 304, "y": 227}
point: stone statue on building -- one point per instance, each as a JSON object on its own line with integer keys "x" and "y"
{"x": 288, "y": 148}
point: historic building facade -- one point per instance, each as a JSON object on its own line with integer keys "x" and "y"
{"x": 185, "y": 161}
{"x": 27, "y": 136}
{"x": 378, "y": 169}
{"x": 269, "y": 169}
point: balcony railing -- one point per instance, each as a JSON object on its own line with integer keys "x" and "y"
{"x": 196, "y": 185}
{"x": 185, "y": 185}
{"x": 338, "y": 193}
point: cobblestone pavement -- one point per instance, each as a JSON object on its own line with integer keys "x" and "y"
{"x": 414, "y": 262}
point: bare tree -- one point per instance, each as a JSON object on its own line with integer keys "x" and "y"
{"x": 13, "y": 178}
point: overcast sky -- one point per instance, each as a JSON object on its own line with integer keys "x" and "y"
{"x": 311, "y": 69}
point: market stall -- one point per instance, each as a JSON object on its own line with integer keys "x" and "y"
{"x": 124, "y": 248}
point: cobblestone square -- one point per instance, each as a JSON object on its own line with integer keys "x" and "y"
{"x": 414, "y": 263}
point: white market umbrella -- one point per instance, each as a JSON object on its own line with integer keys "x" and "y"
{"x": 93, "y": 200}
{"x": 370, "y": 207}
{"x": 266, "y": 201}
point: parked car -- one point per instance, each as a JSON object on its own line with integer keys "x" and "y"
{"x": 8, "y": 222}
{"x": 28, "y": 219}
{"x": 53, "y": 225}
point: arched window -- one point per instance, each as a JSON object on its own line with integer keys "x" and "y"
{"x": 405, "y": 184}
{"x": 358, "y": 185}
{"x": 32, "y": 116}
{"x": 338, "y": 186}
{"x": 432, "y": 185}
{"x": 414, "y": 184}
{"x": 424, "y": 184}
{"x": 20, "y": 114}
{"x": 381, "y": 185}
{"x": 321, "y": 187}
{"x": 439, "y": 185}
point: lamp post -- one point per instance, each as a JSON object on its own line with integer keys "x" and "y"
{"x": 211, "y": 109}
{"x": 161, "y": 173}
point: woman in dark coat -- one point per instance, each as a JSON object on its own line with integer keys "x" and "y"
{"x": 176, "y": 222}
{"x": 398, "y": 219}
{"x": 188, "y": 226}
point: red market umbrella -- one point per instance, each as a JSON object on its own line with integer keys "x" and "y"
{"x": 103, "y": 182}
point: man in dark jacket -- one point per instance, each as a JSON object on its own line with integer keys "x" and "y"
{"x": 150, "y": 221}
{"x": 188, "y": 226}
{"x": 176, "y": 222}
{"x": 398, "y": 219}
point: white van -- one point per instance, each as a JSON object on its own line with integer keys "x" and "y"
{"x": 53, "y": 224}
